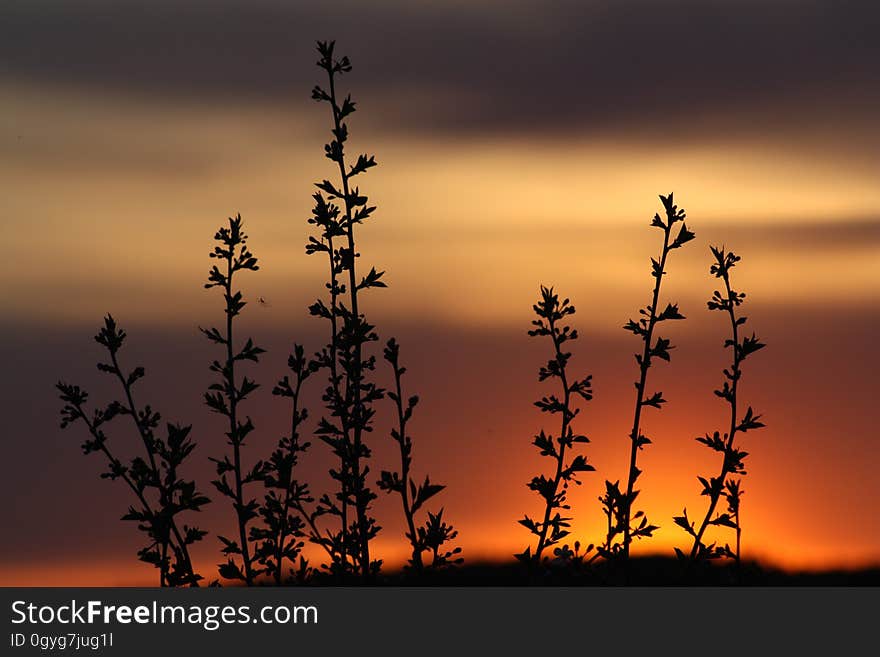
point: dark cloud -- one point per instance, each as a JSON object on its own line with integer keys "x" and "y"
{"x": 852, "y": 234}
{"x": 560, "y": 65}
{"x": 808, "y": 236}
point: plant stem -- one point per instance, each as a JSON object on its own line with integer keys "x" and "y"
{"x": 563, "y": 432}
{"x": 294, "y": 448}
{"x": 738, "y": 534}
{"x": 404, "y": 473}
{"x": 338, "y": 402}
{"x": 735, "y": 371}
{"x": 233, "y": 427}
{"x": 316, "y": 531}
{"x": 640, "y": 393}
{"x": 138, "y": 493}
{"x": 354, "y": 382}
{"x": 164, "y": 498}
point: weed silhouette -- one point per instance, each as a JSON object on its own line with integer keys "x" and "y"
{"x": 617, "y": 504}
{"x": 275, "y": 522}
{"x": 284, "y": 505}
{"x": 161, "y": 493}
{"x": 553, "y": 490}
{"x": 349, "y": 395}
{"x": 225, "y": 396}
{"x": 726, "y": 301}
{"x": 435, "y": 533}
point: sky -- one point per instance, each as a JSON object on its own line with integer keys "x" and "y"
{"x": 518, "y": 144}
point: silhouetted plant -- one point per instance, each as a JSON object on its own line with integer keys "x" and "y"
{"x": 272, "y": 534}
{"x": 337, "y": 544}
{"x": 554, "y": 526}
{"x": 435, "y": 533}
{"x": 161, "y": 493}
{"x": 280, "y": 537}
{"x": 567, "y": 564}
{"x": 726, "y": 301}
{"x": 349, "y": 396}
{"x": 617, "y": 504}
{"x": 224, "y": 397}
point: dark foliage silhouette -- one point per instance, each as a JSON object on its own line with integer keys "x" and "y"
{"x": 350, "y": 394}
{"x": 622, "y": 524}
{"x": 284, "y": 506}
{"x": 276, "y": 513}
{"x": 161, "y": 493}
{"x": 725, "y": 484}
{"x": 225, "y": 396}
{"x": 553, "y": 526}
{"x": 435, "y": 533}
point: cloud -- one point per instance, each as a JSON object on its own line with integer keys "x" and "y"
{"x": 482, "y": 67}
{"x": 852, "y": 234}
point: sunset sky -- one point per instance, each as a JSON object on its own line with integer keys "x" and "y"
{"x": 518, "y": 144}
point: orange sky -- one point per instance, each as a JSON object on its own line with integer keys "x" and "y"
{"x": 114, "y": 189}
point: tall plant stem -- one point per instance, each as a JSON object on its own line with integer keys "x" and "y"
{"x": 715, "y": 494}
{"x": 334, "y": 375}
{"x": 563, "y": 431}
{"x": 640, "y": 393}
{"x": 288, "y": 501}
{"x": 233, "y": 432}
{"x": 404, "y": 473}
{"x": 354, "y": 382}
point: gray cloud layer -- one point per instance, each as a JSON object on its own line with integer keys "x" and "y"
{"x": 562, "y": 65}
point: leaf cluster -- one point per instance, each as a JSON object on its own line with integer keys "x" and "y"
{"x": 724, "y": 484}
{"x": 554, "y": 524}
{"x": 281, "y": 536}
{"x": 433, "y": 535}
{"x": 622, "y": 523}
{"x": 226, "y": 394}
{"x": 350, "y": 393}
{"x": 160, "y": 491}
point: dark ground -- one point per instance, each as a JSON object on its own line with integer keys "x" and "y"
{"x": 643, "y": 571}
